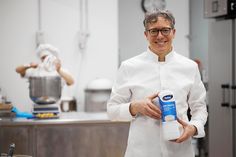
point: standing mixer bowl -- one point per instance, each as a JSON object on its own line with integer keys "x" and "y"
{"x": 45, "y": 90}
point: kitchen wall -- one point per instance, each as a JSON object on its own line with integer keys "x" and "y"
{"x": 115, "y": 34}
{"x": 60, "y": 21}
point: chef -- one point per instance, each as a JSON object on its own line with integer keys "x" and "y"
{"x": 134, "y": 94}
{"x": 50, "y": 65}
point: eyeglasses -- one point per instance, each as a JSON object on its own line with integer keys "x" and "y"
{"x": 164, "y": 31}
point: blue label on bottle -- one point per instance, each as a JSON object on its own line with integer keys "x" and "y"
{"x": 168, "y": 110}
{"x": 167, "y": 97}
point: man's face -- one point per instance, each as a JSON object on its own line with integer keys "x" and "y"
{"x": 160, "y": 36}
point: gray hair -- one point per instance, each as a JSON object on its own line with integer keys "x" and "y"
{"x": 151, "y": 17}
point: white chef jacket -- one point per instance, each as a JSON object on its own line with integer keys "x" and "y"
{"x": 40, "y": 72}
{"x": 144, "y": 75}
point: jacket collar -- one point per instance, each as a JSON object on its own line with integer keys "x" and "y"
{"x": 152, "y": 56}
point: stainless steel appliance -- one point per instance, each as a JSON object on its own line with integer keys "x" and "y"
{"x": 96, "y": 99}
{"x": 45, "y": 92}
{"x": 97, "y": 93}
{"x": 222, "y": 83}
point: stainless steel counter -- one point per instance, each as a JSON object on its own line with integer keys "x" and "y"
{"x": 64, "y": 118}
{"x": 73, "y": 134}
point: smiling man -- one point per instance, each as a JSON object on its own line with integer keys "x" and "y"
{"x": 160, "y": 31}
{"x": 141, "y": 78}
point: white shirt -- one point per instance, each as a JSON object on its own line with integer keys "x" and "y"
{"x": 144, "y": 75}
{"x": 41, "y": 71}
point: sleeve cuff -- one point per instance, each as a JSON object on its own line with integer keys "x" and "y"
{"x": 125, "y": 112}
{"x": 120, "y": 113}
{"x": 200, "y": 129}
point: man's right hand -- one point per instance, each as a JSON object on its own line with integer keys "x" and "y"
{"x": 22, "y": 68}
{"x": 146, "y": 107}
{"x": 33, "y": 65}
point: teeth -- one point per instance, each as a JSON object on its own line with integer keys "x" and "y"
{"x": 160, "y": 43}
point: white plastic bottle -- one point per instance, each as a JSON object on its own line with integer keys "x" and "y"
{"x": 170, "y": 125}
{"x": 49, "y": 63}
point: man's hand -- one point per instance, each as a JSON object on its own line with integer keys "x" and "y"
{"x": 57, "y": 64}
{"x": 33, "y": 65}
{"x": 188, "y": 131}
{"x": 146, "y": 107}
{"x": 22, "y": 68}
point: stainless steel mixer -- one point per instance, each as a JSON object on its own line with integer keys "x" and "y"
{"x": 45, "y": 92}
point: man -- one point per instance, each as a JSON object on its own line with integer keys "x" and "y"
{"x": 50, "y": 65}
{"x": 134, "y": 94}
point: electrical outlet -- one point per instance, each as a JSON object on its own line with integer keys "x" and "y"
{"x": 83, "y": 38}
{"x": 39, "y": 37}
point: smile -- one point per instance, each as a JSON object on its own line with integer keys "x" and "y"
{"x": 161, "y": 43}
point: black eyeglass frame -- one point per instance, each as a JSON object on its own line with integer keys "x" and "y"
{"x": 162, "y": 30}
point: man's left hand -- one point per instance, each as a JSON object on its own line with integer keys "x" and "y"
{"x": 57, "y": 63}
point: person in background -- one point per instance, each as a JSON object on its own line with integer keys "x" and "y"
{"x": 50, "y": 65}
{"x": 136, "y": 88}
